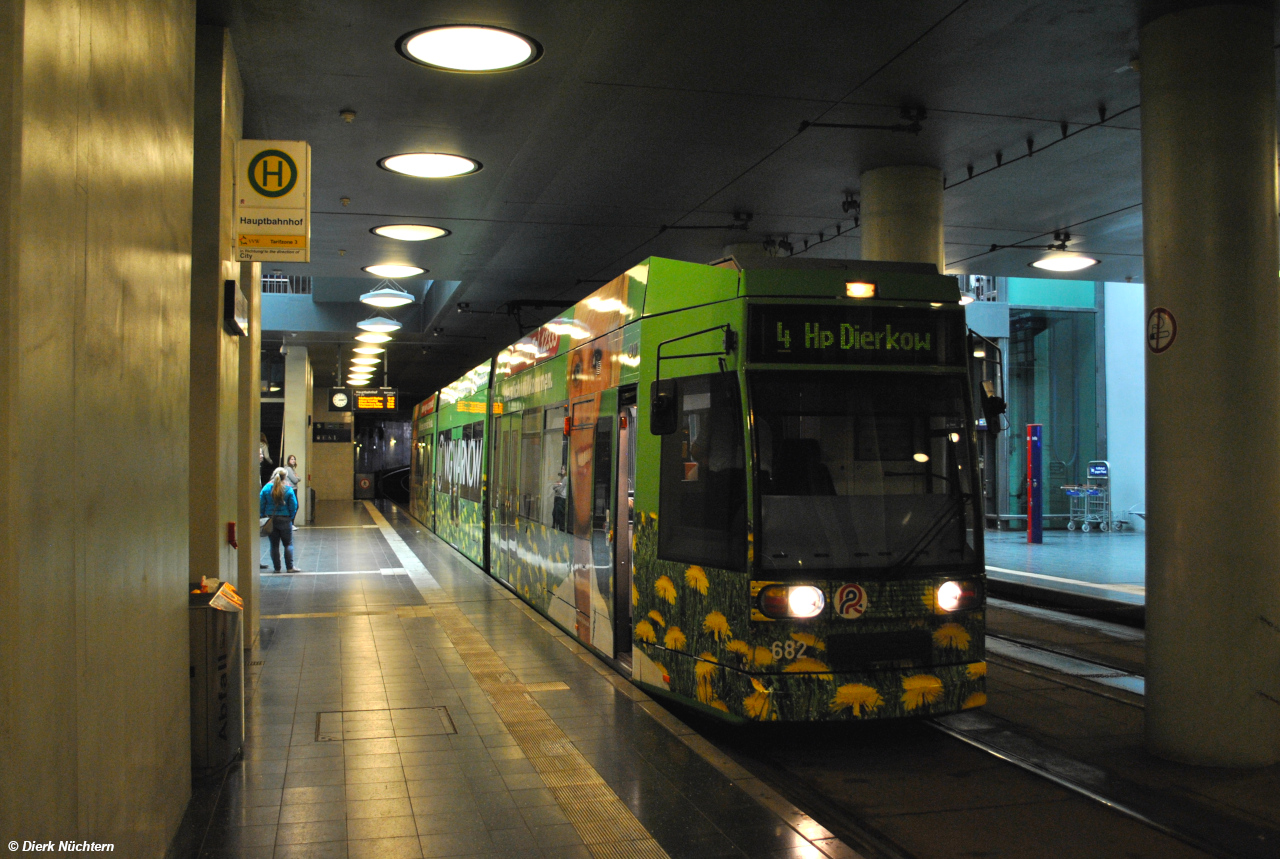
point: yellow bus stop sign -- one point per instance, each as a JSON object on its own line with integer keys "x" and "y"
{"x": 273, "y": 201}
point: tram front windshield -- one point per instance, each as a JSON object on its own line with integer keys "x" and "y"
{"x": 860, "y": 472}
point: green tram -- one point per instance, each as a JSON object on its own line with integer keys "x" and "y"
{"x": 750, "y": 489}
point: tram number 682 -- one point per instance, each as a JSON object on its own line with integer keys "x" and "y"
{"x": 788, "y": 649}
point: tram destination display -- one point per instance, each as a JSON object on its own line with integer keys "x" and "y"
{"x": 375, "y": 399}
{"x": 823, "y": 334}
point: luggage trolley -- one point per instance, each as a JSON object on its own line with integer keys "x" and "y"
{"x": 1091, "y": 502}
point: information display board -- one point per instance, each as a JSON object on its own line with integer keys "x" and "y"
{"x": 375, "y": 399}
{"x": 330, "y": 432}
{"x": 851, "y": 334}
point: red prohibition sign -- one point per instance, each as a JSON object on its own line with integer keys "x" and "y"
{"x": 1162, "y": 330}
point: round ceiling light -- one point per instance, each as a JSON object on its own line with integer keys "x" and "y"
{"x": 465, "y": 48}
{"x": 357, "y": 383}
{"x": 429, "y": 165}
{"x": 373, "y": 337}
{"x": 409, "y": 232}
{"x": 366, "y": 359}
{"x": 394, "y": 270}
{"x": 368, "y": 350}
{"x": 1064, "y": 262}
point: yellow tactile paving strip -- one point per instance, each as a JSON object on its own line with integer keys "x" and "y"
{"x": 602, "y": 821}
{"x": 402, "y": 611}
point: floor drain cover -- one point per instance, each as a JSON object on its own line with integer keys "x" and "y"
{"x": 341, "y": 725}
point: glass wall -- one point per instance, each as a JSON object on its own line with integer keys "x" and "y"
{"x": 1052, "y": 380}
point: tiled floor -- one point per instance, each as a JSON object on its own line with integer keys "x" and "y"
{"x": 1109, "y": 565}
{"x": 542, "y": 753}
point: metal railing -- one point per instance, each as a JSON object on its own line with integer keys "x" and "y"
{"x": 286, "y": 284}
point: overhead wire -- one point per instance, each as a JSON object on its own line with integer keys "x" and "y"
{"x": 762, "y": 159}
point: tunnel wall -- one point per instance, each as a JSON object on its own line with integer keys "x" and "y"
{"x": 95, "y": 251}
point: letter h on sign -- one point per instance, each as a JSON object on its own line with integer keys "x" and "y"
{"x": 278, "y": 172}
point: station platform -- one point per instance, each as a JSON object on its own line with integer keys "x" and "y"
{"x": 401, "y": 703}
{"x": 1097, "y": 566}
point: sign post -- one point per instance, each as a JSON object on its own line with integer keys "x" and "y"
{"x": 1035, "y": 484}
{"x": 273, "y": 201}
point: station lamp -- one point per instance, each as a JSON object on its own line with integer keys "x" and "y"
{"x": 378, "y": 322}
{"x": 409, "y": 232}
{"x": 1064, "y": 262}
{"x": 373, "y": 337}
{"x": 393, "y": 270}
{"x": 387, "y": 294}
{"x": 367, "y": 360}
{"x": 430, "y": 165}
{"x": 461, "y": 48}
{"x": 368, "y": 350}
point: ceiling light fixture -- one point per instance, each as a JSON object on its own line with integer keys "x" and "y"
{"x": 466, "y": 48}
{"x": 387, "y": 295}
{"x": 366, "y": 359}
{"x": 378, "y": 323}
{"x": 373, "y": 337}
{"x": 430, "y": 165}
{"x": 409, "y": 232}
{"x": 368, "y": 350}
{"x": 1064, "y": 262}
{"x": 393, "y": 270}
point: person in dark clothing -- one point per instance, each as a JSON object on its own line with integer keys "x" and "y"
{"x": 265, "y": 462}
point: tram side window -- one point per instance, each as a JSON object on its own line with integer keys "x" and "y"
{"x": 470, "y": 465}
{"x": 443, "y": 483}
{"x": 555, "y": 473}
{"x": 703, "y": 515}
{"x": 531, "y": 506}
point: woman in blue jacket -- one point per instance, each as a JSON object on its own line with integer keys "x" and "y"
{"x": 280, "y": 502}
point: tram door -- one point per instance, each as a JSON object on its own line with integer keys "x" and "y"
{"x": 625, "y": 517}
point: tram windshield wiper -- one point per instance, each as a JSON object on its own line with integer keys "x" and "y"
{"x": 947, "y": 516}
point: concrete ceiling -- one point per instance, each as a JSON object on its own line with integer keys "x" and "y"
{"x": 644, "y": 113}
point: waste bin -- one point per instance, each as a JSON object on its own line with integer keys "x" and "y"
{"x": 217, "y": 685}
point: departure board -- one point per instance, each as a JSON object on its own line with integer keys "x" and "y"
{"x": 375, "y": 399}
{"x": 852, "y": 334}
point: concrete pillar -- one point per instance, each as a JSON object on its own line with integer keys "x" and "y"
{"x": 250, "y": 480}
{"x": 1213, "y": 396}
{"x": 215, "y": 360}
{"x": 902, "y": 215}
{"x": 95, "y": 251}
{"x": 297, "y": 420}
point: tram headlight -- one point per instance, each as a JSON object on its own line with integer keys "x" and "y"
{"x": 954, "y": 596}
{"x": 799, "y": 601}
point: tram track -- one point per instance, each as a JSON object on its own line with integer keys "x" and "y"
{"x": 801, "y": 776}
